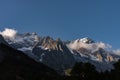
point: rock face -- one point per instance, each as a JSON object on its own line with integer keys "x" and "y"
{"x": 15, "y": 65}
{"x": 55, "y": 54}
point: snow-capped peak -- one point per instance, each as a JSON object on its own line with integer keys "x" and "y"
{"x": 86, "y": 40}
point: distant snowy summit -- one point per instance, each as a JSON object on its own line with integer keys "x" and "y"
{"x": 86, "y": 40}
{"x": 59, "y": 54}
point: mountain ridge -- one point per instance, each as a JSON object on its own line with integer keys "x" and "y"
{"x": 61, "y": 55}
{"x": 15, "y": 65}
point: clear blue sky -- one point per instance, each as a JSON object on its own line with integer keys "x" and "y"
{"x": 67, "y": 19}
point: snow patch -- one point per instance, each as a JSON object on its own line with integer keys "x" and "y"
{"x": 41, "y": 57}
{"x": 43, "y": 48}
{"x": 25, "y": 49}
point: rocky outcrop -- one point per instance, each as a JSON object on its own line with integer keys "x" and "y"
{"x": 55, "y": 54}
{"x": 110, "y": 58}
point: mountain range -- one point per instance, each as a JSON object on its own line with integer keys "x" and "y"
{"x": 56, "y": 53}
{"x": 15, "y": 65}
